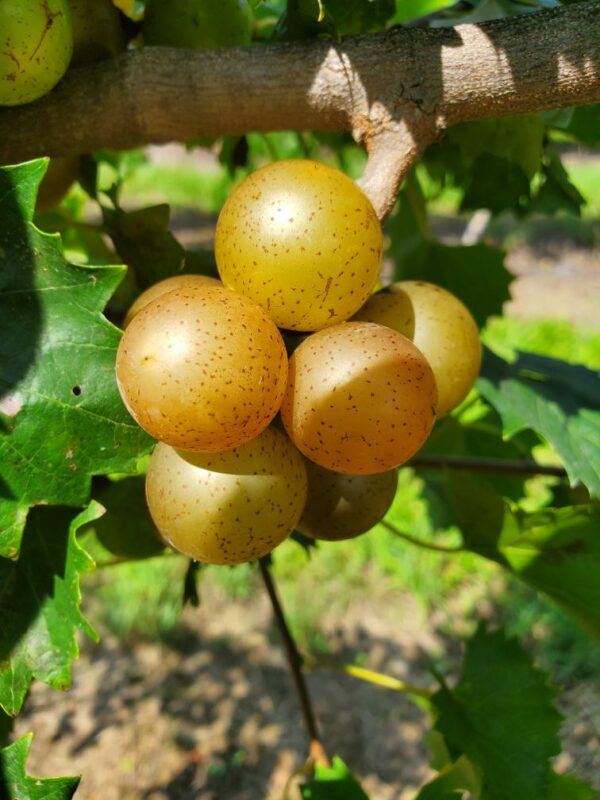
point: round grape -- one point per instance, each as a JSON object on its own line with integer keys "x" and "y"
{"x": 360, "y": 398}
{"x": 440, "y": 326}
{"x": 344, "y": 506}
{"x": 202, "y": 368}
{"x": 227, "y": 508}
{"x": 162, "y": 287}
{"x": 36, "y": 42}
{"x": 302, "y": 240}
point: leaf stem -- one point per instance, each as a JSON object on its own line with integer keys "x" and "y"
{"x": 497, "y": 465}
{"x": 438, "y": 548}
{"x": 369, "y": 675}
{"x": 316, "y": 750}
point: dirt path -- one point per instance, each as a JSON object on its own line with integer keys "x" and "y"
{"x": 216, "y": 719}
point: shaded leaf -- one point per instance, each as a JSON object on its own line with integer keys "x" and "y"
{"x": 569, "y": 787}
{"x": 126, "y": 529}
{"x": 476, "y": 274}
{"x": 64, "y": 419}
{"x": 556, "y": 551}
{"x": 559, "y": 401}
{"x": 190, "y": 584}
{"x": 15, "y": 784}
{"x": 143, "y": 240}
{"x": 332, "y": 783}
{"x": 501, "y": 716}
{"x": 39, "y": 604}
{"x": 453, "y": 781}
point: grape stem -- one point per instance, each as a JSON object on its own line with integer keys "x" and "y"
{"x": 439, "y": 548}
{"x": 497, "y": 465}
{"x": 317, "y": 752}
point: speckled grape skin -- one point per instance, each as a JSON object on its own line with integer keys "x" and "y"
{"x": 344, "y": 506}
{"x": 360, "y": 398}
{"x": 227, "y": 508}
{"x": 97, "y": 31}
{"x": 164, "y": 286}
{"x": 36, "y": 42}
{"x": 440, "y": 326}
{"x": 302, "y": 240}
{"x": 202, "y": 369}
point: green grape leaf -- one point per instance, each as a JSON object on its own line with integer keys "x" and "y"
{"x": 495, "y": 183}
{"x": 516, "y": 139}
{"x": 126, "y": 529}
{"x": 332, "y": 783}
{"x": 63, "y": 418}
{"x": 559, "y": 401}
{"x": 556, "y": 192}
{"x": 15, "y": 784}
{"x": 475, "y": 273}
{"x": 501, "y": 716}
{"x": 583, "y": 123}
{"x": 143, "y": 240}
{"x": 556, "y": 551}
{"x": 452, "y": 782}
{"x": 569, "y": 787}
{"x": 407, "y": 10}
{"x": 39, "y": 604}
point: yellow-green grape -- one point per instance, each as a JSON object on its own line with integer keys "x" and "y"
{"x": 60, "y": 176}
{"x": 302, "y": 240}
{"x": 164, "y": 286}
{"x": 227, "y": 508}
{"x": 344, "y": 506}
{"x": 202, "y": 369}
{"x": 440, "y": 326}
{"x": 360, "y": 398}
{"x": 198, "y": 24}
{"x": 97, "y": 31}
{"x": 36, "y": 42}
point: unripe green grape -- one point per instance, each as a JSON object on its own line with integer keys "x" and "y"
{"x": 97, "y": 31}
{"x": 198, "y": 24}
{"x": 440, "y": 325}
{"x": 36, "y": 42}
{"x": 164, "y": 286}
{"x": 60, "y": 176}
{"x": 360, "y": 398}
{"x": 302, "y": 240}
{"x": 202, "y": 369}
{"x": 344, "y": 506}
{"x": 227, "y": 508}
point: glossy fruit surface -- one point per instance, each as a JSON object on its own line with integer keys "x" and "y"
{"x": 97, "y": 31}
{"x": 302, "y": 240}
{"x": 60, "y": 176}
{"x": 360, "y": 398}
{"x": 36, "y": 42}
{"x": 198, "y": 24}
{"x": 202, "y": 369}
{"x": 164, "y": 286}
{"x": 440, "y": 325}
{"x": 227, "y": 508}
{"x": 344, "y": 506}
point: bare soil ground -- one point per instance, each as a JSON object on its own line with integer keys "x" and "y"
{"x": 213, "y": 716}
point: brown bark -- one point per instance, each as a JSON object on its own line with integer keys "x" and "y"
{"x": 396, "y": 91}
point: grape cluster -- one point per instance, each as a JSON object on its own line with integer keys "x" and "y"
{"x": 203, "y": 368}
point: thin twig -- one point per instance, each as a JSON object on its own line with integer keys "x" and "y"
{"x": 498, "y": 465}
{"x": 316, "y": 750}
{"x": 438, "y": 548}
{"x": 369, "y": 675}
